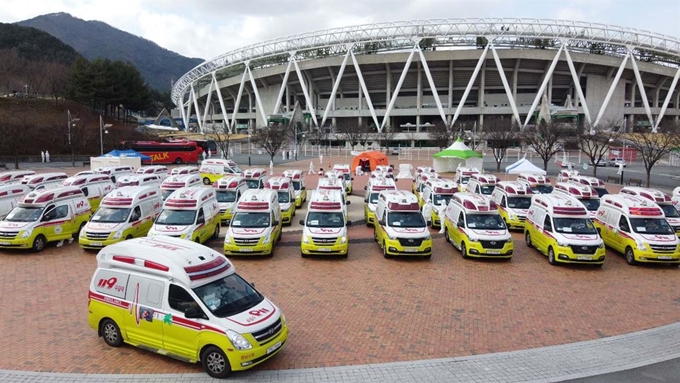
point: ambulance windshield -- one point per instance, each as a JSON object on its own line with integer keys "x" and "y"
{"x": 166, "y": 193}
{"x": 176, "y": 217}
{"x": 487, "y": 189}
{"x": 485, "y": 221}
{"x": 601, "y": 191}
{"x": 319, "y": 219}
{"x": 373, "y": 198}
{"x": 464, "y": 180}
{"x": 542, "y": 189}
{"x": 226, "y": 196}
{"x": 651, "y": 226}
{"x": 24, "y": 214}
{"x": 574, "y": 226}
{"x": 242, "y": 219}
{"x": 519, "y": 202}
{"x": 670, "y": 211}
{"x": 296, "y": 185}
{"x": 110, "y": 215}
{"x": 228, "y": 296}
{"x": 438, "y": 198}
{"x": 284, "y": 197}
{"x": 253, "y": 183}
{"x": 405, "y": 219}
{"x": 591, "y": 204}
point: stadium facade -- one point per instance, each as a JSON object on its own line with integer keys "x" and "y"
{"x": 407, "y": 76}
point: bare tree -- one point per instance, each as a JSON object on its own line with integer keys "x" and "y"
{"x": 595, "y": 142}
{"x": 354, "y": 134}
{"x": 442, "y": 135}
{"x": 653, "y": 146}
{"x": 271, "y": 139}
{"x": 222, "y": 134}
{"x": 500, "y": 134}
{"x": 545, "y": 138}
{"x": 17, "y": 133}
{"x": 384, "y": 137}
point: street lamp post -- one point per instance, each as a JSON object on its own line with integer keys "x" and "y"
{"x": 102, "y": 129}
{"x": 249, "y": 147}
{"x": 71, "y": 121}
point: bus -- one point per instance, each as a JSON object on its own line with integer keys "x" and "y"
{"x": 175, "y": 152}
{"x": 206, "y": 145}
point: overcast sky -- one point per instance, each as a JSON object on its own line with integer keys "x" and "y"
{"x": 208, "y": 28}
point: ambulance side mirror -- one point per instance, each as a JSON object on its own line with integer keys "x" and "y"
{"x": 352, "y": 179}
{"x": 302, "y": 222}
{"x": 429, "y": 223}
{"x": 366, "y": 200}
{"x": 349, "y": 223}
{"x": 599, "y": 231}
{"x": 304, "y": 188}
{"x": 276, "y": 223}
{"x": 348, "y": 202}
{"x": 366, "y": 187}
{"x": 381, "y": 222}
{"x": 194, "y": 313}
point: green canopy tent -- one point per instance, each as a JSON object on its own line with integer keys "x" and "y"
{"x": 458, "y": 154}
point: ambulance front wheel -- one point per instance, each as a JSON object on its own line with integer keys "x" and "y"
{"x": 527, "y": 238}
{"x": 111, "y": 333}
{"x": 551, "y": 256}
{"x": 215, "y": 363}
{"x": 463, "y": 250}
{"x": 630, "y": 256}
{"x": 39, "y": 243}
{"x": 206, "y": 181}
{"x": 76, "y": 235}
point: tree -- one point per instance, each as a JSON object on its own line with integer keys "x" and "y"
{"x": 545, "y": 139}
{"x": 442, "y": 135}
{"x": 651, "y": 147}
{"x": 384, "y": 137}
{"x": 500, "y": 134}
{"x": 222, "y": 134}
{"x": 595, "y": 143}
{"x": 354, "y": 134}
{"x": 17, "y": 133}
{"x": 271, "y": 139}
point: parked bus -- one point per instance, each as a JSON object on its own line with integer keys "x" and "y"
{"x": 177, "y": 152}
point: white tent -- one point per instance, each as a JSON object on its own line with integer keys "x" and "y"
{"x": 524, "y": 166}
{"x": 458, "y": 154}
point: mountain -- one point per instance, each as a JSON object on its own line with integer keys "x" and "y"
{"x": 35, "y": 45}
{"x": 93, "y": 39}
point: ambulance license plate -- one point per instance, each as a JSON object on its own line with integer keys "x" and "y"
{"x": 5, "y": 243}
{"x": 493, "y": 252}
{"x": 99, "y": 244}
{"x": 245, "y": 250}
{"x": 411, "y": 250}
{"x": 664, "y": 258}
{"x": 324, "y": 249}
{"x": 584, "y": 258}
{"x": 274, "y": 347}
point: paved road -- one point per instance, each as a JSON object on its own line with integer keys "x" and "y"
{"x": 659, "y": 372}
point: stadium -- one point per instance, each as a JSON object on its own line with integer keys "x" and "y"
{"x": 406, "y": 77}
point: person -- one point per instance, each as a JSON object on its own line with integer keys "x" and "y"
{"x": 311, "y": 167}
{"x": 203, "y": 154}
{"x": 42, "y": 156}
{"x": 441, "y": 211}
{"x": 320, "y": 159}
{"x": 209, "y": 153}
{"x": 47, "y": 156}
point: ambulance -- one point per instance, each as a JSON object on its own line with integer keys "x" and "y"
{"x": 513, "y": 200}
{"x": 675, "y": 200}
{"x": 183, "y": 300}
{"x": 125, "y": 213}
{"x": 462, "y": 177}
{"x": 565, "y": 175}
{"x": 347, "y": 175}
{"x": 341, "y": 177}
{"x": 213, "y": 169}
{"x": 43, "y": 216}
{"x": 159, "y": 170}
{"x": 14, "y": 177}
{"x": 636, "y": 227}
{"x": 9, "y": 197}
{"x": 539, "y": 184}
{"x": 334, "y": 184}
{"x": 94, "y": 186}
{"x": 374, "y": 187}
{"x": 325, "y": 227}
{"x": 437, "y": 192}
{"x": 420, "y": 183}
{"x": 383, "y": 168}
{"x": 399, "y": 228}
{"x": 172, "y": 183}
{"x": 558, "y": 226}
{"x": 190, "y": 213}
{"x": 256, "y": 225}
{"x": 482, "y": 184}
{"x": 662, "y": 199}
{"x": 182, "y": 170}
{"x": 228, "y": 190}
{"x": 115, "y": 171}
{"x": 593, "y": 182}
{"x": 585, "y": 194}
{"x": 140, "y": 180}
{"x": 284, "y": 188}
{"x": 44, "y": 180}
{"x": 255, "y": 178}
{"x": 299, "y": 185}
{"x": 474, "y": 226}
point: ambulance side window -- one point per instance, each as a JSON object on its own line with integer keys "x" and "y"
{"x": 201, "y": 216}
{"x": 461, "y": 220}
{"x": 623, "y": 224}
{"x": 503, "y": 203}
{"x": 85, "y": 190}
{"x": 179, "y": 299}
{"x": 136, "y": 214}
{"x": 547, "y": 225}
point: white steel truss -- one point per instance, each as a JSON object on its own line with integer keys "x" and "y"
{"x": 611, "y": 90}
{"x": 198, "y": 111}
{"x": 225, "y": 117}
{"x": 258, "y": 100}
{"x": 400, "y": 82}
{"x": 183, "y": 112}
{"x": 546, "y": 79}
{"x": 336, "y": 86}
{"x": 482, "y": 58}
{"x": 237, "y": 103}
{"x": 365, "y": 90}
{"x": 433, "y": 89}
{"x": 303, "y": 85}
{"x": 284, "y": 84}
{"x": 207, "y": 104}
{"x": 668, "y": 99}
{"x": 576, "y": 77}
{"x": 455, "y": 31}
{"x": 641, "y": 85}
{"x": 504, "y": 80}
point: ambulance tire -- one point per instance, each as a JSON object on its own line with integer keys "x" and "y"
{"x": 303, "y": 255}
{"x": 216, "y": 234}
{"x": 111, "y": 333}
{"x": 630, "y": 256}
{"x": 39, "y": 243}
{"x": 387, "y": 256}
{"x": 463, "y": 250}
{"x": 206, "y": 181}
{"x": 128, "y": 237}
{"x": 551, "y": 256}
{"x": 527, "y": 238}
{"x": 76, "y": 235}
{"x": 446, "y": 236}
{"x": 215, "y": 363}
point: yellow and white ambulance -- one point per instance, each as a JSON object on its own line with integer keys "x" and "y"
{"x": 400, "y": 228}
{"x": 213, "y": 169}
{"x": 159, "y": 170}
{"x": 636, "y": 227}
{"x": 584, "y": 193}
{"x": 675, "y": 199}
{"x": 44, "y": 180}
{"x": 183, "y": 300}
{"x": 513, "y": 200}
{"x": 337, "y": 185}
{"x": 9, "y": 197}
{"x": 566, "y": 174}
{"x": 139, "y": 180}
{"x": 183, "y": 170}
{"x": 462, "y": 177}
{"x": 346, "y": 172}
{"x": 558, "y": 226}
{"x": 299, "y": 185}
{"x": 44, "y": 216}
{"x": 255, "y": 178}
{"x": 341, "y": 177}
{"x": 124, "y": 213}
{"x": 256, "y": 225}
{"x": 172, "y": 183}
{"x": 14, "y": 177}
{"x": 115, "y": 171}
{"x": 325, "y": 227}
{"x": 190, "y": 213}
{"x": 662, "y": 199}
{"x": 94, "y": 186}
{"x": 482, "y": 184}
{"x": 284, "y": 188}
{"x": 474, "y": 226}
{"x": 373, "y": 189}
{"x": 539, "y": 184}
{"x": 228, "y": 191}
{"x": 437, "y": 192}
{"x": 420, "y": 180}
{"x": 593, "y": 182}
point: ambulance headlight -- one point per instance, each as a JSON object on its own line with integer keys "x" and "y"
{"x": 513, "y": 216}
{"x": 118, "y": 234}
{"x": 343, "y": 239}
{"x": 601, "y": 246}
{"x": 562, "y": 244}
{"x": 473, "y": 239}
{"x": 239, "y": 342}
{"x": 27, "y": 233}
{"x": 188, "y": 235}
{"x": 82, "y": 234}
{"x": 371, "y": 208}
{"x": 305, "y": 238}
{"x": 227, "y": 239}
{"x": 427, "y": 238}
{"x": 267, "y": 239}
{"x": 640, "y": 245}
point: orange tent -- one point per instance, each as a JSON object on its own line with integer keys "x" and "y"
{"x": 369, "y": 159}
